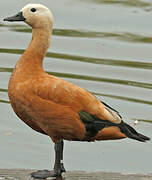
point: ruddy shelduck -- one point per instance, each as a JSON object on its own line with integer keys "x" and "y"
{"x": 53, "y": 106}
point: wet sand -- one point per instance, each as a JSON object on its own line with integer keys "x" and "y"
{"x": 21, "y": 174}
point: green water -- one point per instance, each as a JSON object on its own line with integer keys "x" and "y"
{"x": 104, "y": 46}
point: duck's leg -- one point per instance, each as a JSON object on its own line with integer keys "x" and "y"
{"x": 58, "y": 166}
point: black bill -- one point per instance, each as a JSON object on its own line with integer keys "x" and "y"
{"x": 17, "y": 17}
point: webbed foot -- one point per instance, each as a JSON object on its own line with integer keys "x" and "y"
{"x": 43, "y": 174}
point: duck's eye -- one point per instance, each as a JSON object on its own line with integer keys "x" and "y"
{"x": 33, "y": 9}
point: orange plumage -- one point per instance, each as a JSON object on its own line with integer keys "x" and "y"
{"x": 49, "y": 103}
{"x": 53, "y": 106}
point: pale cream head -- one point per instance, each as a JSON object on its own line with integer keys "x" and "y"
{"x": 37, "y": 16}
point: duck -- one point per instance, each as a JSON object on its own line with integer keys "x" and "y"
{"x": 53, "y": 106}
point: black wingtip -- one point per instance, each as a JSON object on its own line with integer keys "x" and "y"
{"x": 130, "y": 132}
{"x": 144, "y": 137}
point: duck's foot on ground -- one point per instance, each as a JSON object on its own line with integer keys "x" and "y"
{"x": 43, "y": 174}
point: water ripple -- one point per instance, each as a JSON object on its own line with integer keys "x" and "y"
{"x": 64, "y": 56}
{"x": 130, "y": 3}
{"x": 4, "y": 101}
{"x": 144, "y": 120}
{"x": 123, "y": 36}
{"x": 135, "y": 100}
{"x": 93, "y": 78}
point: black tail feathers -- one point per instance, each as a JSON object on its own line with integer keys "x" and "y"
{"x": 94, "y": 125}
{"x": 130, "y": 132}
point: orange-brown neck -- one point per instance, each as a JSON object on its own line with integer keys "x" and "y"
{"x": 31, "y": 61}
